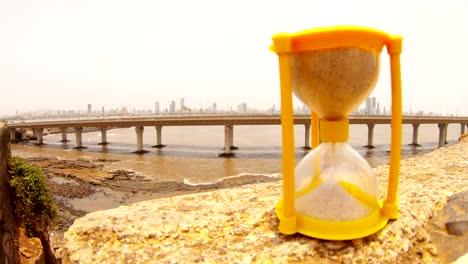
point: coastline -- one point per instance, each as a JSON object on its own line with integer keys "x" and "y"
{"x": 83, "y": 186}
{"x": 238, "y": 225}
{"x": 194, "y": 157}
{"x": 52, "y": 131}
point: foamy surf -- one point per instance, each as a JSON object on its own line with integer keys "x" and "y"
{"x": 273, "y": 176}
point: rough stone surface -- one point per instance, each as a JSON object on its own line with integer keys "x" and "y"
{"x": 239, "y": 225}
{"x": 8, "y": 230}
{"x": 457, "y": 228}
{"x": 31, "y": 251}
{"x": 449, "y": 228}
{"x": 457, "y": 206}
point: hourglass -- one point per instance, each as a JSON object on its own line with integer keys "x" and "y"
{"x": 332, "y": 192}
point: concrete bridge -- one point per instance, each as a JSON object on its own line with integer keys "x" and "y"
{"x": 228, "y": 121}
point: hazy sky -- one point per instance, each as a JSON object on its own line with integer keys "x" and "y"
{"x": 65, "y": 54}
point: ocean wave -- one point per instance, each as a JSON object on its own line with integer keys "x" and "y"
{"x": 248, "y": 177}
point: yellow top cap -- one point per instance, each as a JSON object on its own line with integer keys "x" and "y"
{"x": 330, "y": 37}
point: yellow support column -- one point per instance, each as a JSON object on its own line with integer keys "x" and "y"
{"x": 288, "y": 220}
{"x": 390, "y": 206}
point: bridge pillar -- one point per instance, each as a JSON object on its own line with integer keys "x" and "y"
{"x": 306, "y": 136}
{"x": 40, "y": 136}
{"x": 227, "y": 142}
{"x": 103, "y": 136}
{"x": 12, "y": 134}
{"x": 442, "y": 133}
{"x": 64, "y": 134}
{"x": 231, "y": 137}
{"x": 445, "y": 135}
{"x": 159, "y": 137}
{"x": 79, "y": 138}
{"x": 415, "y": 135}
{"x": 370, "y": 135}
{"x": 34, "y": 134}
{"x": 139, "y": 132}
{"x": 462, "y": 128}
{"x": 23, "y": 134}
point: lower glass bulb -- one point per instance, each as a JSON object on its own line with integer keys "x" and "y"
{"x": 334, "y": 183}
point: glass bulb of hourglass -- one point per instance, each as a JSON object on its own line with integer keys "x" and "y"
{"x": 333, "y": 182}
{"x": 333, "y": 82}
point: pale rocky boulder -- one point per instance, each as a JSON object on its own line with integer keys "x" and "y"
{"x": 239, "y": 225}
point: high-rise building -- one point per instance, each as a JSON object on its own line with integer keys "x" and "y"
{"x": 172, "y": 107}
{"x": 374, "y": 106}
{"x": 156, "y": 107}
{"x": 214, "y": 108}
{"x": 368, "y": 108}
{"x": 242, "y": 108}
{"x": 89, "y": 108}
{"x": 182, "y": 104}
{"x": 305, "y": 109}
{"x": 124, "y": 110}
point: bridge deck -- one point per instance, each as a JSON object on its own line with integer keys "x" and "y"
{"x": 223, "y": 120}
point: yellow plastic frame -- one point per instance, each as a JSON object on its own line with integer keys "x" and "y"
{"x": 325, "y": 38}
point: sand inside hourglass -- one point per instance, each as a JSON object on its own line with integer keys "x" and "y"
{"x": 333, "y": 82}
{"x": 335, "y": 183}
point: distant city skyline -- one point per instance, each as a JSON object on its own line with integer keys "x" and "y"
{"x": 67, "y": 54}
{"x": 371, "y": 106}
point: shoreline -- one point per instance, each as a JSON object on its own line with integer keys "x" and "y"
{"x": 81, "y": 186}
{"x": 183, "y": 160}
{"x": 239, "y": 224}
{"x": 51, "y": 131}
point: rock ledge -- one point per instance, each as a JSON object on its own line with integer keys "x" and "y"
{"x": 239, "y": 225}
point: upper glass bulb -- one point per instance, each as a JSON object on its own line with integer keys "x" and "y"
{"x": 333, "y": 82}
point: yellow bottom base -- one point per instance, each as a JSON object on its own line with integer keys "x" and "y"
{"x": 331, "y": 230}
